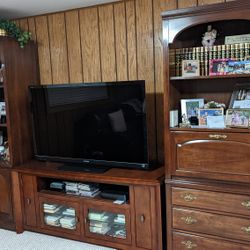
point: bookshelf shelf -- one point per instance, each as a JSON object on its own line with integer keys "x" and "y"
{"x": 180, "y": 78}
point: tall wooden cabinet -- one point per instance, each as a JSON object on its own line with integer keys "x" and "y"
{"x": 18, "y": 69}
{"x": 207, "y": 170}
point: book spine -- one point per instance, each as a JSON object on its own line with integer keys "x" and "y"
{"x": 228, "y": 51}
{"x": 177, "y": 62}
{"x": 223, "y": 52}
{"x": 206, "y": 61}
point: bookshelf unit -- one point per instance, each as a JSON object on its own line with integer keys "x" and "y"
{"x": 207, "y": 170}
{"x": 18, "y": 69}
{"x": 133, "y": 224}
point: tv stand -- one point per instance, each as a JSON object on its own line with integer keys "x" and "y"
{"x": 107, "y": 219}
{"x": 83, "y": 168}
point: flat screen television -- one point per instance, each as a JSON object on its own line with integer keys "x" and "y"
{"x": 91, "y": 126}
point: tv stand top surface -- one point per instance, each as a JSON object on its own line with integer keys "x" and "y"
{"x": 112, "y": 175}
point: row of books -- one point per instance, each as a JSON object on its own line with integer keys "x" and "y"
{"x": 106, "y": 223}
{"x": 59, "y": 216}
{"x": 82, "y": 189}
{"x": 237, "y": 52}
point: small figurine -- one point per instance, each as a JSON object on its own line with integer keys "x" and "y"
{"x": 184, "y": 122}
{"x": 209, "y": 37}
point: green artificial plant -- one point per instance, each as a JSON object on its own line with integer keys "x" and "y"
{"x": 14, "y": 31}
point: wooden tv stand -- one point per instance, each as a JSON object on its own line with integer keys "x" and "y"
{"x": 36, "y": 206}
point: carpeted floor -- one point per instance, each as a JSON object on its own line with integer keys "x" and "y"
{"x": 33, "y": 241}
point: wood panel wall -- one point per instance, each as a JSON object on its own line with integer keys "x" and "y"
{"x": 117, "y": 41}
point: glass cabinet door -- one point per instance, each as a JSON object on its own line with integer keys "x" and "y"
{"x": 110, "y": 222}
{"x": 58, "y": 215}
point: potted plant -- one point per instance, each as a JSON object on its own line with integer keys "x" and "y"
{"x": 14, "y": 31}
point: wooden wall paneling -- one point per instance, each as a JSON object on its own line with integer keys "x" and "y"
{"x": 131, "y": 40}
{"x": 23, "y": 24}
{"x": 74, "y": 46}
{"x": 204, "y": 2}
{"x": 158, "y": 7}
{"x": 58, "y": 48}
{"x": 32, "y": 28}
{"x": 121, "y": 41}
{"x": 44, "y": 56}
{"x": 186, "y": 3}
{"x": 107, "y": 42}
{"x": 145, "y": 54}
{"x": 90, "y": 45}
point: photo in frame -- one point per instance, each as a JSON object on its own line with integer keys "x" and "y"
{"x": 239, "y": 118}
{"x": 190, "y": 68}
{"x": 211, "y": 118}
{"x": 240, "y": 98}
{"x": 218, "y": 67}
{"x": 190, "y": 107}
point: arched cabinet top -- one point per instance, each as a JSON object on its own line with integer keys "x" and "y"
{"x": 181, "y": 20}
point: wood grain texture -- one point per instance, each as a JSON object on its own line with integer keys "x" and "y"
{"x": 131, "y": 40}
{"x": 23, "y": 24}
{"x": 145, "y": 49}
{"x": 58, "y": 48}
{"x": 204, "y": 2}
{"x": 159, "y": 6}
{"x": 186, "y": 3}
{"x": 89, "y": 29}
{"x": 74, "y": 46}
{"x": 121, "y": 41}
{"x": 107, "y": 42}
{"x": 32, "y": 28}
{"x": 43, "y": 41}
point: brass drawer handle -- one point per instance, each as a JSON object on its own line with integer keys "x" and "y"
{"x": 246, "y": 204}
{"x": 246, "y": 230}
{"x": 28, "y": 201}
{"x": 188, "y": 197}
{"x": 217, "y": 137}
{"x": 188, "y": 220}
{"x": 189, "y": 244}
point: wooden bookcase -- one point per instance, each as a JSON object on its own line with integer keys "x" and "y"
{"x": 207, "y": 170}
{"x": 141, "y": 215}
{"x": 18, "y": 69}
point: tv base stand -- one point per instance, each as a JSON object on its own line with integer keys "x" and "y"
{"x": 80, "y": 212}
{"x": 83, "y": 168}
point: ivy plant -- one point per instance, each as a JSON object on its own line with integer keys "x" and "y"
{"x": 14, "y": 31}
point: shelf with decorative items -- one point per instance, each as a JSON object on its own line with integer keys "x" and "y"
{"x": 207, "y": 135}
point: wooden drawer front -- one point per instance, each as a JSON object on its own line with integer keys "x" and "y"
{"x": 238, "y": 204}
{"x": 186, "y": 241}
{"x": 213, "y": 224}
{"x": 202, "y": 152}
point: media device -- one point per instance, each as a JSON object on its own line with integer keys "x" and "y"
{"x": 91, "y": 126}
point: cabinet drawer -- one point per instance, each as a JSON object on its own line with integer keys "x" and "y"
{"x": 215, "y": 153}
{"x": 213, "y": 224}
{"x": 187, "y": 241}
{"x": 238, "y": 204}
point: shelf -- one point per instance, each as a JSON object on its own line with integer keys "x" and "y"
{"x": 223, "y": 130}
{"x": 51, "y": 193}
{"x": 180, "y": 78}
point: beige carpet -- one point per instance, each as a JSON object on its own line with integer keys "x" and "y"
{"x": 33, "y": 241}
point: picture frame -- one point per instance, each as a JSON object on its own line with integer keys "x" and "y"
{"x": 218, "y": 67}
{"x": 190, "y": 107}
{"x": 240, "y": 97}
{"x": 238, "y": 118}
{"x": 190, "y": 68}
{"x": 211, "y": 117}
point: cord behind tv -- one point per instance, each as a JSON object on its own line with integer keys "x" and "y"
{"x": 83, "y": 168}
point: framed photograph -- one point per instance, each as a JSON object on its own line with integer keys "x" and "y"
{"x": 239, "y": 118}
{"x": 211, "y": 118}
{"x": 190, "y": 107}
{"x": 190, "y": 67}
{"x": 218, "y": 67}
{"x": 240, "y": 98}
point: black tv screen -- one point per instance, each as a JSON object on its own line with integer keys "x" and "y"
{"x": 93, "y": 124}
